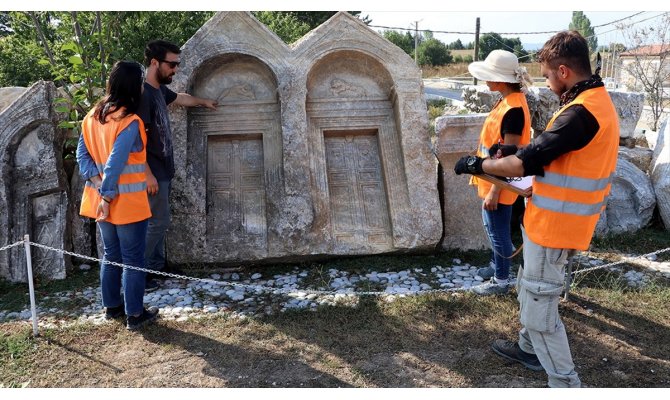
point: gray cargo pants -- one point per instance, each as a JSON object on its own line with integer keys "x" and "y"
{"x": 539, "y": 286}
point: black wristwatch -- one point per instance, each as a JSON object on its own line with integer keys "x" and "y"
{"x": 471, "y": 163}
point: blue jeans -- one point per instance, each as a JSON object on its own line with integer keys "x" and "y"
{"x": 497, "y": 226}
{"x": 123, "y": 244}
{"x": 158, "y": 225}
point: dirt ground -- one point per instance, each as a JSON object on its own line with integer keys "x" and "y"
{"x": 439, "y": 340}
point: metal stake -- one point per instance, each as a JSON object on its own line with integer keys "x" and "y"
{"x": 33, "y": 309}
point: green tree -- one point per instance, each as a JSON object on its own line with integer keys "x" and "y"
{"x": 456, "y": 45}
{"x": 117, "y": 36}
{"x": 434, "y": 52}
{"x": 285, "y": 24}
{"x": 404, "y": 41}
{"x": 292, "y": 25}
{"x": 493, "y": 41}
{"x": 581, "y": 23}
{"x": 5, "y": 24}
{"x": 76, "y": 50}
{"x": 131, "y": 31}
{"x": 20, "y": 51}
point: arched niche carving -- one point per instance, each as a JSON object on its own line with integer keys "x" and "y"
{"x": 356, "y": 156}
{"x": 242, "y": 145}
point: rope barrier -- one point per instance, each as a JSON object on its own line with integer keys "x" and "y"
{"x": 255, "y": 288}
{"x": 19, "y": 243}
{"x": 261, "y": 288}
{"x": 624, "y": 261}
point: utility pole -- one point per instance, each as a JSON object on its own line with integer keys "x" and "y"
{"x": 416, "y": 42}
{"x": 476, "y": 56}
{"x": 613, "y": 74}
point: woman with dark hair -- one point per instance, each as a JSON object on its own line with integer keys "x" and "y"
{"x": 112, "y": 157}
{"x": 508, "y": 123}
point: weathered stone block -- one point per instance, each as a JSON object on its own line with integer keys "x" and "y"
{"x": 629, "y": 108}
{"x": 33, "y": 187}
{"x": 631, "y": 203}
{"x": 457, "y": 136}
{"x": 321, "y": 148}
{"x": 639, "y": 156}
{"x": 660, "y": 173}
{"x": 82, "y": 228}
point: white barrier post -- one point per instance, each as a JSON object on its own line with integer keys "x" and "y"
{"x": 26, "y": 244}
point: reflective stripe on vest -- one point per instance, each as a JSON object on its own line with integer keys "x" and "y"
{"x": 574, "y": 182}
{"x": 569, "y": 207}
{"x": 128, "y": 169}
{"x": 126, "y": 188}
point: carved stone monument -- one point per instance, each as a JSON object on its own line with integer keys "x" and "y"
{"x": 320, "y": 148}
{"x": 458, "y": 136}
{"x": 33, "y": 188}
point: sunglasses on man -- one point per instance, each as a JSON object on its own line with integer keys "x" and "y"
{"x": 172, "y": 64}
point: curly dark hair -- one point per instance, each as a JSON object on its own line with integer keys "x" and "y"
{"x": 567, "y": 48}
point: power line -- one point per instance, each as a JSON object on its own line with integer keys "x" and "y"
{"x": 420, "y": 30}
{"x": 618, "y": 20}
{"x": 519, "y": 33}
{"x": 634, "y": 23}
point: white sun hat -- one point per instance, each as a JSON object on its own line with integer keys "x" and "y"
{"x": 500, "y": 66}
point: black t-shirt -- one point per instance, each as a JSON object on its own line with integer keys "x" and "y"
{"x": 573, "y": 129}
{"x": 513, "y": 122}
{"x": 154, "y": 114}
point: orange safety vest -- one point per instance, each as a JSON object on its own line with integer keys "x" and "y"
{"x": 131, "y": 203}
{"x": 567, "y": 201}
{"x": 490, "y": 135}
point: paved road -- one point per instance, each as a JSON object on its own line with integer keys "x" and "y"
{"x": 443, "y": 92}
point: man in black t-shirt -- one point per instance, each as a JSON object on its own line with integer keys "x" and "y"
{"x": 162, "y": 60}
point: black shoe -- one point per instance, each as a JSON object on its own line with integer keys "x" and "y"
{"x": 115, "y": 312}
{"x": 512, "y": 351}
{"x": 151, "y": 285}
{"x": 149, "y": 315}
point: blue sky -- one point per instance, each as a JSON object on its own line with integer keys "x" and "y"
{"x": 513, "y": 22}
{"x": 518, "y": 16}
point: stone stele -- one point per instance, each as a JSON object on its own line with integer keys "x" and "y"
{"x": 458, "y": 136}
{"x": 33, "y": 187}
{"x": 318, "y": 148}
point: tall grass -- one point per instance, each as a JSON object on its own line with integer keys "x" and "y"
{"x": 461, "y": 70}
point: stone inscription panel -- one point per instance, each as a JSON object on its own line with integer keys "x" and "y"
{"x": 47, "y": 229}
{"x": 358, "y": 203}
{"x": 235, "y": 189}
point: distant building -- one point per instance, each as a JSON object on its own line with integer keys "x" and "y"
{"x": 651, "y": 57}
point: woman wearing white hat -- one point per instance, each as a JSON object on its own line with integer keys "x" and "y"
{"x": 507, "y": 123}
